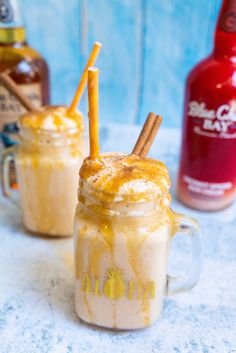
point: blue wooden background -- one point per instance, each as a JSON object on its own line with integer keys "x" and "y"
{"x": 149, "y": 46}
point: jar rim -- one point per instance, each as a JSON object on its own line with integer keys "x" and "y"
{"x": 41, "y": 138}
{"x": 124, "y": 208}
{"x": 113, "y": 197}
{"x": 52, "y": 133}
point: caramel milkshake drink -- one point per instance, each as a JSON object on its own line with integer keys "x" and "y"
{"x": 122, "y": 234}
{"x": 51, "y": 150}
{"x": 123, "y": 229}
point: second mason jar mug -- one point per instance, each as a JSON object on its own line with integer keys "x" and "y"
{"x": 122, "y": 234}
{"x": 48, "y": 157}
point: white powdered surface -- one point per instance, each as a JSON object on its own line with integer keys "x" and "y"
{"x": 37, "y": 312}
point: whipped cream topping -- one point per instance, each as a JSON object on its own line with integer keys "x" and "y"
{"x": 53, "y": 118}
{"x": 119, "y": 176}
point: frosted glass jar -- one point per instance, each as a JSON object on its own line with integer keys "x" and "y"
{"x": 47, "y": 165}
{"x": 121, "y": 257}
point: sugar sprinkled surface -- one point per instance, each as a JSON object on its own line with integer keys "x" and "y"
{"x": 37, "y": 283}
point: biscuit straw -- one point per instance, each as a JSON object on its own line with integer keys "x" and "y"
{"x": 93, "y": 111}
{"x": 13, "y": 88}
{"x": 147, "y": 135}
{"x": 80, "y": 89}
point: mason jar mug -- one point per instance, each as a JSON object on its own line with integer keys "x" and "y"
{"x": 121, "y": 258}
{"x": 47, "y": 166}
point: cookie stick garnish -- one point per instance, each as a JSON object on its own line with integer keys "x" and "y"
{"x": 93, "y": 111}
{"x": 13, "y": 88}
{"x": 147, "y": 135}
{"x": 81, "y": 86}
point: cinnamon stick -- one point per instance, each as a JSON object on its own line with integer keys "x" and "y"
{"x": 147, "y": 135}
{"x": 151, "y": 137}
{"x": 144, "y": 133}
{"x": 12, "y": 87}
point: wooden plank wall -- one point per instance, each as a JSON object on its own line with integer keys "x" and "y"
{"x": 149, "y": 46}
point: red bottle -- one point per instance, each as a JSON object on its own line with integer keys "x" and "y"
{"x": 207, "y": 175}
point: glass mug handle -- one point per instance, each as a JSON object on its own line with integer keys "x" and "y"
{"x": 178, "y": 284}
{"x": 7, "y": 158}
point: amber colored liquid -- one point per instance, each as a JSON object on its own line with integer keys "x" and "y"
{"x": 25, "y": 66}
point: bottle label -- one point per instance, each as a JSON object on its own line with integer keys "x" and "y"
{"x": 228, "y": 18}
{"x": 207, "y": 188}
{"x": 215, "y": 123}
{"x": 208, "y": 156}
{"x": 11, "y": 108}
{"x": 6, "y": 11}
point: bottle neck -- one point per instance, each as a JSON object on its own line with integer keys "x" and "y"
{"x": 225, "y": 34}
{"x": 12, "y": 35}
{"x": 12, "y": 29}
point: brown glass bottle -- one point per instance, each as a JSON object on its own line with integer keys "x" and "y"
{"x": 25, "y": 66}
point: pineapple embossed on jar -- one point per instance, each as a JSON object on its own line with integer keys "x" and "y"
{"x": 114, "y": 287}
